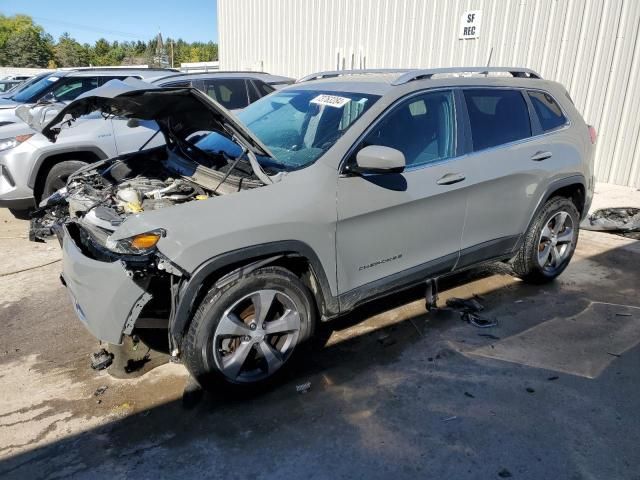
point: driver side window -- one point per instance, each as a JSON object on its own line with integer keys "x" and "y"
{"x": 422, "y": 128}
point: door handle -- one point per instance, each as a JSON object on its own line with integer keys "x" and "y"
{"x": 451, "y": 178}
{"x": 540, "y": 156}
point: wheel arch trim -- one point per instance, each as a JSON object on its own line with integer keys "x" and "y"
{"x": 553, "y": 187}
{"x": 247, "y": 260}
{"x": 82, "y": 149}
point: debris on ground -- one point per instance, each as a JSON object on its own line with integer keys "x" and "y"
{"x": 624, "y": 314}
{"x": 618, "y": 220}
{"x": 470, "y": 395}
{"x": 386, "y": 340}
{"x": 101, "y": 359}
{"x": 555, "y": 377}
{"x": 465, "y": 305}
{"x": 100, "y": 390}
{"x": 477, "y": 320}
{"x": 504, "y": 473}
{"x": 133, "y": 365}
{"x": 613, "y": 354}
{"x": 303, "y": 388}
{"x": 448, "y": 419}
{"x": 530, "y": 390}
{"x": 469, "y": 309}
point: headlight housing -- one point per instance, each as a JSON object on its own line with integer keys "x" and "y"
{"x": 12, "y": 142}
{"x": 140, "y": 244}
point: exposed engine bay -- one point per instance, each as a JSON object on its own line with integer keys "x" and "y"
{"x": 101, "y": 198}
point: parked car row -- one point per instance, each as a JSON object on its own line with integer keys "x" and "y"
{"x": 32, "y": 168}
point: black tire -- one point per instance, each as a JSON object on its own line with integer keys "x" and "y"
{"x": 58, "y": 175}
{"x": 202, "y": 353}
{"x": 526, "y": 263}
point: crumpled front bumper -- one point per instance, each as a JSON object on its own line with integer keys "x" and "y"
{"x": 103, "y": 296}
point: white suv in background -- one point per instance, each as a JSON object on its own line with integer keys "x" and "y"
{"x": 32, "y": 168}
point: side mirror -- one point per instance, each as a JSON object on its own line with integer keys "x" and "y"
{"x": 133, "y": 123}
{"x": 379, "y": 159}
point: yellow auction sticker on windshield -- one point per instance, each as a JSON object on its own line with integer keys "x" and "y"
{"x": 331, "y": 100}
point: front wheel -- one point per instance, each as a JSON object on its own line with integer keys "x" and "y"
{"x": 244, "y": 334}
{"x": 58, "y": 176}
{"x": 549, "y": 243}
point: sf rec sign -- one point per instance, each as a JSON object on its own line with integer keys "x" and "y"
{"x": 470, "y": 24}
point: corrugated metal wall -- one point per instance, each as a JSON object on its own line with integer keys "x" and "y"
{"x": 591, "y": 46}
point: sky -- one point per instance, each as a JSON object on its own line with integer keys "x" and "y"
{"x": 89, "y": 20}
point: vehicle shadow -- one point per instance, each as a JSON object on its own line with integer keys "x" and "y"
{"x": 379, "y": 379}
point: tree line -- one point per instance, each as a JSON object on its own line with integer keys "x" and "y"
{"x": 24, "y": 43}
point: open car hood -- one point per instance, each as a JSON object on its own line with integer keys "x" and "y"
{"x": 179, "y": 112}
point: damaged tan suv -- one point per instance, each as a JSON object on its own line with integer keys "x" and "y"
{"x": 241, "y": 233}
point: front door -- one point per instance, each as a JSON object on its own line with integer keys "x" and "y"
{"x": 401, "y": 226}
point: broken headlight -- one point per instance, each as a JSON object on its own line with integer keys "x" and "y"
{"x": 140, "y": 244}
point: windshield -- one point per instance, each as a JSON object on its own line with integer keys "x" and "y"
{"x": 297, "y": 126}
{"x": 33, "y": 91}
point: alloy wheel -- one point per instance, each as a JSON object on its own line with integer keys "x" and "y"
{"x": 256, "y": 335}
{"x": 555, "y": 242}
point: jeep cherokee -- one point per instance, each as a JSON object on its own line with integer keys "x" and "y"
{"x": 241, "y": 233}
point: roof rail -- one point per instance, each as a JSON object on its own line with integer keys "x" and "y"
{"x": 428, "y": 73}
{"x": 119, "y": 68}
{"x": 339, "y": 73}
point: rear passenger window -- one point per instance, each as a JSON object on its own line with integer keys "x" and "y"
{"x": 548, "y": 111}
{"x": 496, "y": 117}
{"x": 230, "y": 93}
{"x": 422, "y": 128}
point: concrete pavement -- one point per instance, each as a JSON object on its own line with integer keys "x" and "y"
{"x": 552, "y": 392}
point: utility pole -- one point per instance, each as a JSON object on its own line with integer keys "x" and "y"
{"x": 171, "y": 53}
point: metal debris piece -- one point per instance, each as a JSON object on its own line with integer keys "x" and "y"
{"x": 555, "y": 377}
{"x": 613, "y": 354}
{"x": 133, "y": 365}
{"x": 101, "y": 359}
{"x": 625, "y": 219}
{"x": 504, "y": 473}
{"x": 303, "y": 387}
{"x": 448, "y": 419}
{"x": 530, "y": 390}
{"x": 478, "y": 321}
{"x": 624, "y": 314}
{"x": 470, "y": 395}
{"x": 100, "y": 390}
{"x": 465, "y": 305}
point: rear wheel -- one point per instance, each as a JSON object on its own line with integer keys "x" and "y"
{"x": 245, "y": 333}
{"x": 58, "y": 176}
{"x": 549, "y": 243}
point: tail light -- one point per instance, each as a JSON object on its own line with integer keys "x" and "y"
{"x": 593, "y": 134}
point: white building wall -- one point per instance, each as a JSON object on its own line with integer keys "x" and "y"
{"x": 591, "y": 46}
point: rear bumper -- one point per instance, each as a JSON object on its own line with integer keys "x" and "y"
{"x": 106, "y": 300}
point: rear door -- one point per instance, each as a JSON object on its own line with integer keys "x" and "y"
{"x": 402, "y": 227}
{"x": 509, "y": 164}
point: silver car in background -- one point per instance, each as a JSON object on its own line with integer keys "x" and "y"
{"x": 32, "y": 168}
